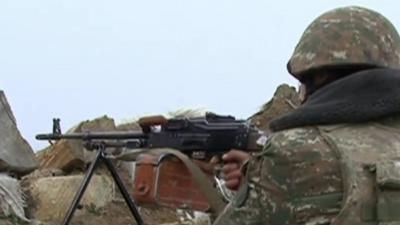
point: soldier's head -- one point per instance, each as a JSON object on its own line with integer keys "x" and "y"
{"x": 341, "y": 42}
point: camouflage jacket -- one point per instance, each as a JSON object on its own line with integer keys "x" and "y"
{"x": 332, "y": 174}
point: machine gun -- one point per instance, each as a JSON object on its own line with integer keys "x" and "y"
{"x": 199, "y": 138}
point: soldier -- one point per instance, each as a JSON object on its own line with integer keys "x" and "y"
{"x": 336, "y": 158}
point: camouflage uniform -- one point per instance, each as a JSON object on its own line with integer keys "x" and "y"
{"x": 338, "y": 174}
{"x": 281, "y": 183}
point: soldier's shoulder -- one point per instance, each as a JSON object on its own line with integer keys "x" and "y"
{"x": 297, "y": 144}
{"x": 296, "y": 137}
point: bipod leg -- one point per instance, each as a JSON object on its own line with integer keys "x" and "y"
{"x": 82, "y": 188}
{"x": 129, "y": 201}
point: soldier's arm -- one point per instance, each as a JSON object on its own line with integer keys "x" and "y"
{"x": 294, "y": 167}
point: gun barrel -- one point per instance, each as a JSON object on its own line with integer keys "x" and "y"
{"x": 93, "y": 136}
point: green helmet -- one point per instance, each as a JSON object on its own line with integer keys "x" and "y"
{"x": 349, "y": 36}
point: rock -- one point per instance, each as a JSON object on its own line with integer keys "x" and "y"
{"x": 15, "y": 221}
{"x": 66, "y": 155}
{"x": 285, "y": 99}
{"x": 15, "y": 153}
{"x": 11, "y": 198}
{"x": 131, "y": 126}
{"x": 52, "y": 196}
{"x": 70, "y": 154}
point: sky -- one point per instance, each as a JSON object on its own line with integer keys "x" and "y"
{"x": 79, "y": 60}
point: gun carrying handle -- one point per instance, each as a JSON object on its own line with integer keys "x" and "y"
{"x": 147, "y": 122}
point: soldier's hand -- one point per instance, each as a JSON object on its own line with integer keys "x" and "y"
{"x": 231, "y": 171}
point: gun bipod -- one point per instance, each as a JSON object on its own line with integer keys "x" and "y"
{"x": 101, "y": 157}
